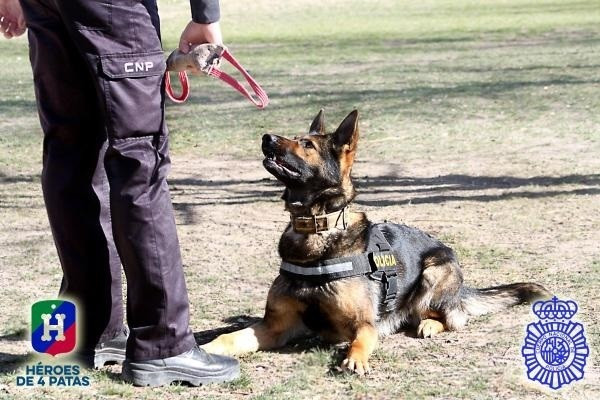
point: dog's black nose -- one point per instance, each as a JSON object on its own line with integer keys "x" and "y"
{"x": 268, "y": 144}
{"x": 268, "y": 139}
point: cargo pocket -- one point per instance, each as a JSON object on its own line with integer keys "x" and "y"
{"x": 132, "y": 85}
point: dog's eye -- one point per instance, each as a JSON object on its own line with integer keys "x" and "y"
{"x": 307, "y": 144}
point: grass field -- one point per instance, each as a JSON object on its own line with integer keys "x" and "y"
{"x": 480, "y": 123}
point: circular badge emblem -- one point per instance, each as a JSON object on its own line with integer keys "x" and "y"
{"x": 555, "y": 352}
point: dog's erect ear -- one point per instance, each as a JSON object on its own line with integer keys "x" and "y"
{"x": 318, "y": 125}
{"x": 347, "y": 133}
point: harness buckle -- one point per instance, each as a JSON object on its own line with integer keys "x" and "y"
{"x": 389, "y": 287}
{"x": 379, "y": 276}
{"x": 322, "y": 218}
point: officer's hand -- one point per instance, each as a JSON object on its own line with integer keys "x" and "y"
{"x": 195, "y": 33}
{"x": 12, "y": 23}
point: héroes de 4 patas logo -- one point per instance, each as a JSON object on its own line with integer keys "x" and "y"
{"x": 53, "y": 326}
{"x": 53, "y": 332}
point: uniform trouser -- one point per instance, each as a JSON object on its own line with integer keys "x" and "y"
{"x": 98, "y": 72}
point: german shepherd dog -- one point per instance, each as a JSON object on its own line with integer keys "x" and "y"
{"x": 431, "y": 297}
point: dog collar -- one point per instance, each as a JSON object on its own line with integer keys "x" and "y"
{"x": 320, "y": 223}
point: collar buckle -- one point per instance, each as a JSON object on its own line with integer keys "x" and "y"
{"x": 321, "y": 223}
{"x": 324, "y": 219}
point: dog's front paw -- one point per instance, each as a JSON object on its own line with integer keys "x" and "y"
{"x": 429, "y": 328}
{"x": 220, "y": 345}
{"x": 359, "y": 365}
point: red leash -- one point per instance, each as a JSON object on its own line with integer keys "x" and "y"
{"x": 259, "y": 98}
{"x": 185, "y": 87}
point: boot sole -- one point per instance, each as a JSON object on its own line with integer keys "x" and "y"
{"x": 163, "y": 376}
{"x": 108, "y": 356}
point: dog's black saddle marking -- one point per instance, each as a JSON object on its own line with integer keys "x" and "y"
{"x": 380, "y": 263}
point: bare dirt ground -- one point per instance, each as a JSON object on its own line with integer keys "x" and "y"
{"x": 505, "y": 228}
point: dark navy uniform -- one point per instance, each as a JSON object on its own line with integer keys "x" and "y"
{"x": 98, "y": 69}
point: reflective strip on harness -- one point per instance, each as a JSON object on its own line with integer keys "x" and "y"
{"x": 314, "y": 271}
{"x": 328, "y": 270}
{"x": 380, "y": 263}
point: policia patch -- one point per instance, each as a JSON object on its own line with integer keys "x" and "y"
{"x": 380, "y": 263}
{"x": 383, "y": 260}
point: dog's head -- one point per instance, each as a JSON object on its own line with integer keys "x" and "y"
{"x": 315, "y": 167}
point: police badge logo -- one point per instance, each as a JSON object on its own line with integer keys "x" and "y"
{"x": 53, "y": 326}
{"x": 555, "y": 348}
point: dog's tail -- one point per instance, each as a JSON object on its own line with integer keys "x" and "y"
{"x": 482, "y": 301}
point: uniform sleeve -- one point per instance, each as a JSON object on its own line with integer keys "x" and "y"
{"x": 205, "y": 11}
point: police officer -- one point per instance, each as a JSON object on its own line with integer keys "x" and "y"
{"x": 98, "y": 70}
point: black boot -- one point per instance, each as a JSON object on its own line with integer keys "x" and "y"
{"x": 109, "y": 352}
{"x": 112, "y": 351}
{"x": 195, "y": 367}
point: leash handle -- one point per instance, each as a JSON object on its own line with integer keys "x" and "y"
{"x": 262, "y": 99}
{"x": 185, "y": 87}
{"x": 204, "y": 57}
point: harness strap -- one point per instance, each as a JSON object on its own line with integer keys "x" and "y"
{"x": 389, "y": 287}
{"x": 329, "y": 270}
